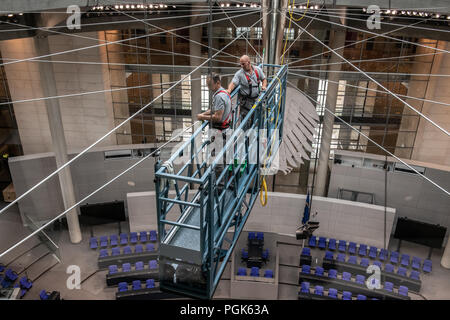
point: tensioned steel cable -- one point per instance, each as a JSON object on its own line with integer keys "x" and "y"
{"x": 370, "y": 89}
{"x": 381, "y": 34}
{"x": 380, "y": 73}
{"x": 354, "y": 43}
{"x": 378, "y": 145}
{"x": 375, "y": 81}
{"x": 115, "y": 128}
{"x": 115, "y": 42}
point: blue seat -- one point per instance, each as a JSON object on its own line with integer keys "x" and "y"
{"x": 150, "y": 283}
{"x": 394, "y": 257}
{"x": 360, "y": 279}
{"x": 136, "y": 285}
{"x": 312, "y": 241}
{"x": 364, "y": 262}
{"x": 127, "y": 250}
{"x": 340, "y": 257}
{"x": 306, "y": 269}
{"x": 133, "y": 237}
{"x": 150, "y": 247}
{"x": 427, "y": 266}
{"x": 342, "y": 246}
{"x": 383, "y": 255}
{"x": 265, "y": 254}
{"x": 332, "y": 273}
{"x": 346, "y": 295}
{"x": 138, "y": 248}
{"x": 361, "y": 297}
{"x": 362, "y": 250}
{"x": 113, "y": 269}
{"x": 244, "y": 254}
{"x": 318, "y": 290}
{"x": 260, "y": 236}
{"x": 322, "y": 243}
{"x": 43, "y": 295}
{"x": 10, "y": 275}
{"x": 115, "y": 251}
{"x": 153, "y": 236}
{"x": 352, "y": 248}
{"x": 332, "y": 293}
{"x": 352, "y": 260}
{"x": 319, "y": 271}
{"x": 138, "y": 266}
{"x": 25, "y": 283}
{"x": 126, "y": 267}
{"x": 388, "y": 286}
{"x": 254, "y": 272}
{"x": 346, "y": 276}
{"x": 404, "y": 261}
{"x": 103, "y": 241}
{"x": 403, "y": 291}
{"x": 123, "y": 286}
{"x": 103, "y": 253}
{"x": 268, "y": 274}
{"x": 93, "y": 244}
{"x": 251, "y": 236}
{"x": 329, "y": 255}
{"x": 416, "y": 262}
{"x": 389, "y": 268}
{"x": 114, "y": 240}
{"x": 153, "y": 264}
{"x": 242, "y": 272}
{"x": 373, "y": 251}
{"x": 415, "y": 275}
{"x": 2, "y": 267}
{"x": 143, "y": 236}
{"x": 306, "y": 251}
{"x": 123, "y": 238}
{"x": 332, "y": 244}
{"x": 304, "y": 287}
{"x": 401, "y": 271}
{"x": 378, "y": 264}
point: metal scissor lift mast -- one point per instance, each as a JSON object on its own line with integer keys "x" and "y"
{"x": 200, "y": 216}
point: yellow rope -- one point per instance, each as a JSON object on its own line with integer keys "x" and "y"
{"x": 263, "y": 181}
{"x": 289, "y": 28}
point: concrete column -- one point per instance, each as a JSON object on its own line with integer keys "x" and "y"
{"x": 273, "y": 29}
{"x": 58, "y": 139}
{"x": 337, "y": 40}
{"x": 445, "y": 261}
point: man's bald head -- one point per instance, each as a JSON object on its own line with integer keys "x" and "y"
{"x": 245, "y": 63}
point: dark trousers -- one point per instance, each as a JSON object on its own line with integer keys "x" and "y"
{"x": 245, "y": 105}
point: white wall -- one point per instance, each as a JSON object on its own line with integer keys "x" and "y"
{"x": 340, "y": 219}
{"x": 85, "y": 118}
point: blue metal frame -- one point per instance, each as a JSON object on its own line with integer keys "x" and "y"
{"x": 194, "y": 245}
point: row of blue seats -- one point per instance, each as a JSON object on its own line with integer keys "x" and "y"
{"x": 149, "y": 247}
{"x": 257, "y": 236}
{"x": 360, "y": 279}
{"x": 254, "y": 272}
{"x": 136, "y": 285}
{"x": 265, "y": 254}
{"x": 8, "y": 279}
{"x": 123, "y": 239}
{"x": 365, "y": 263}
{"x": 332, "y": 292}
{"x": 372, "y": 252}
{"x": 138, "y": 266}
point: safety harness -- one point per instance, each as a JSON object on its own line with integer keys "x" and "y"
{"x": 250, "y": 85}
{"x": 226, "y": 123}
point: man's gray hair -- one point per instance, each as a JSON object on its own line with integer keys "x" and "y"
{"x": 215, "y": 77}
